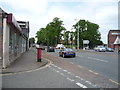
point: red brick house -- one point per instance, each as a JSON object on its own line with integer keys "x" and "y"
{"x": 114, "y": 39}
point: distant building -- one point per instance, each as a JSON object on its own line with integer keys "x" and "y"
{"x": 114, "y": 39}
{"x": 13, "y": 38}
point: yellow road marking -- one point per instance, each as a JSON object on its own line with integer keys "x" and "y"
{"x": 114, "y": 81}
{"x": 79, "y": 66}
{"x": 71, "y": 63}
{"x": 93, "y": 72}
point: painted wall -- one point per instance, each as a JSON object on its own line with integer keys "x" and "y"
{"x": 6, "y": 30}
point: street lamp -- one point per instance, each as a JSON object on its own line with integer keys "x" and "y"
{"x": 77, "y": 35}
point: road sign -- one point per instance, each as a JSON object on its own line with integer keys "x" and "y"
{"x": 86, "y": 41}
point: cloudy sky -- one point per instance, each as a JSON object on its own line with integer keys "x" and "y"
{"x": 40, "y": 12}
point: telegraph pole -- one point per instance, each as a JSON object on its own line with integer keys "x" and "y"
{"x": 78, "y": 43}
{"x": 78, "y": 38}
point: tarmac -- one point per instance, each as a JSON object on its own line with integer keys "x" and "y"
{"x": 26, "y": 62}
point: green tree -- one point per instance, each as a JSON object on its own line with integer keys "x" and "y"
{"x": 31, "y": 41}
{"x": 66, "y": 37}
{"x": 87, "y": 31}
{"x": 52, "y": 33}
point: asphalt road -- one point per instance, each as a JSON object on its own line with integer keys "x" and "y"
{"x": 49, "y": 77}
{"x": 103, "y": 63}
{"x": 45, "y": 78}
{"x": 69, "y": 72}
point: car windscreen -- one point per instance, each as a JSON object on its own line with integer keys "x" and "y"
{"x": 68, "y": 50}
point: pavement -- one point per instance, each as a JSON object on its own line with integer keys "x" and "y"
{"x": 26, "y": 62}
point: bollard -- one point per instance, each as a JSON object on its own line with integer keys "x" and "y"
{"x": 38, "y": 54}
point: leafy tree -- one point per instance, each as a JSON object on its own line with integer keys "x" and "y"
{"x": 31, "y": 41}
{"x": 66, "y": 37}
{"x": 52, "y": 33}
{"x": 87, "y": 31}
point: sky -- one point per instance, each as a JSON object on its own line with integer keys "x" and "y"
{"x": 40, "y": 12}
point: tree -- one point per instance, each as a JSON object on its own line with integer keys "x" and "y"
{"x": 52, "y": 33}
{"x": 31, "y": 41}
{"x": 87, "y": 31}
{"x": 66, "y": 37}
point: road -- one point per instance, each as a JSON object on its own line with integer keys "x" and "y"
{"x": 86, "y": 70}
{"x": 104, "y": 63}
{"x": 45, "y": 78}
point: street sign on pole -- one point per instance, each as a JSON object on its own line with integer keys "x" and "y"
{"x": 86, "y": 41}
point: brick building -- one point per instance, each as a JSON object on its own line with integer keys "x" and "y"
{"x": 114, "y": 39}
{"x": 13, "y": 38}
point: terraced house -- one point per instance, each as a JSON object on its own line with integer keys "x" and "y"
{"x": 13, "y": 38}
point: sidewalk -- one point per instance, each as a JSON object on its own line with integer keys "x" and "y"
{"x": 26, "y": 62}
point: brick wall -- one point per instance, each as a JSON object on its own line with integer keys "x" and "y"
{"x": 112, "y": 37}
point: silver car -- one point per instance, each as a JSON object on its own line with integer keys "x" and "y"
{"x": 100, "y": 49}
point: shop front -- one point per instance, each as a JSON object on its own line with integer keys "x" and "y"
{"x": 14, "y": 41}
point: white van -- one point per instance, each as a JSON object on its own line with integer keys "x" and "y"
{"x": 60, "y": 46}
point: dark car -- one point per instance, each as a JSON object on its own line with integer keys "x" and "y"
{"x": 109, "y": 49}
{"x": 50, "y": 49}
{"x": 67, "y": 52}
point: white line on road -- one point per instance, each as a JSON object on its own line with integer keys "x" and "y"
{"x": 59, "y": 68}
{"x": 65, "y": 70}
{"x": 70, "y": 79}
{"x": 81, "y": 85}
{"x": 62, "y": 74}
{"x": 70, "y": 73}
{"x": 88, "y": 82}
{"x": 97, "y": 59}
{"x": 77, "y": 77}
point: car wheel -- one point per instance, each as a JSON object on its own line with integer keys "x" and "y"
{"x": 63, "y": 55}
{"x": 74, "y": 56}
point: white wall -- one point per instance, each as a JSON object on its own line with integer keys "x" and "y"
{"x": 5, "y": 43}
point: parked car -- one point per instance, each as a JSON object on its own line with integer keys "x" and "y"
{"x": 67, "y": 52}
{"x": 50, "y": 49}
{"x": 109, "y": 49}
{"x": 100, "y": 49}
